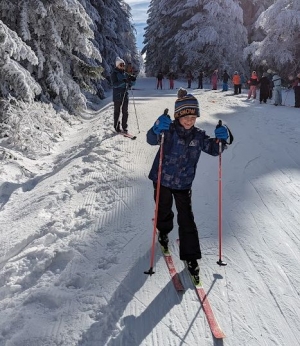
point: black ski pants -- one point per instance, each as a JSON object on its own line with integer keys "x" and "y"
{"x": 188, "y": 234}
{"x": 117, "y": 110}
{"x": 297, "y": 96}
{"x": 236, "y": 89}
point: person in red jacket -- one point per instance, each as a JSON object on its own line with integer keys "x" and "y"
{"x": 253, "y": 82}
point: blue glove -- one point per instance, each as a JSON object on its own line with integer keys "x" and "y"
{"x": 221, "y": 132}
{"x": 161, "y": 124}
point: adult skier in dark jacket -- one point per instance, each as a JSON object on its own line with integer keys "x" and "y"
{"x": 225, "y": 80}
{"x": 121, "y": 82}
{"x": 264, "y": 88}
{"x": 296, "y": 87}
{"x": 183, "y": 143}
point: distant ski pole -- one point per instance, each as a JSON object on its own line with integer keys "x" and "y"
{"x": 150, "y": 271}
{"x": 220, "y": 262}
{"x": 137, "y": 120}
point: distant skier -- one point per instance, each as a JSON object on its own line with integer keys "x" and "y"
{"x": 226, "y": 78}
{"x": 214, "y": 80}
{"x": 296, "y": 87}
{"x": 183, "y": 143}
{"x": 270, "y": 76}
{"x": 171, "y": 77}
{"x": 189, "y": 78}
{"x": 159, "y": 78}
{"x": 236, "y": 80}
{"x": 121, "y": 81}
{"x": 264, "y": 88}
{"x": 277, "y": 89}
{"x": 253, "y": 82}
{"x": 200, "y": 79}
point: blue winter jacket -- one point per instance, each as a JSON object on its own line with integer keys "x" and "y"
{"x": 121, "y": 83}
{"x": 181, "y": 152}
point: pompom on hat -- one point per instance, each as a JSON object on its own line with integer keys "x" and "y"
{"x": 119, "y": 61}
{"x": 186, "y": 105}
{"x": 181, "y": 93}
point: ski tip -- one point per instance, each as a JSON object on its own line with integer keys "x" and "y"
{"x": 128, "y": 136}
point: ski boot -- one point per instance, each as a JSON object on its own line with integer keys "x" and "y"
{"x": 194, "y": 270}
{"x": 163, "y": 239}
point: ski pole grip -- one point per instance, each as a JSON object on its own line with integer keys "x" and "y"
{"x": 166, "y": 111}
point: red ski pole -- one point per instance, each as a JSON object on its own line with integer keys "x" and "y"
{"x": 150, "y": 271}
{"x": 220, "y": 262}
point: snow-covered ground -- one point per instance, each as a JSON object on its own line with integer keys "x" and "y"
{"x": 76, "y": 232}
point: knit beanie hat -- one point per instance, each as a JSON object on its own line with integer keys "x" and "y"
{"x": 119, "y": 61}
{"x": 186, "y": 105}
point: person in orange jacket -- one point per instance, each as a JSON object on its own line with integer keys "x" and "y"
{"x": 236, "y": 80}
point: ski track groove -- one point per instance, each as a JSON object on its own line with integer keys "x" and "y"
{"x": 106, "y": 184}
{"x": 235, "y": 317}
{"x": 265, "y": 281}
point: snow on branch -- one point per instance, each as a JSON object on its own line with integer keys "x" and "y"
{"x": 14, "y": 78}
{"x": 31, "y": 128}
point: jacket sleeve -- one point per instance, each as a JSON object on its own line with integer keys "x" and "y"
{"x": 211, "y": 146}
{"x": 118, "y": 80}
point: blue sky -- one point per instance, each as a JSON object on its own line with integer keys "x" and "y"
{"x": 139, "y": 17}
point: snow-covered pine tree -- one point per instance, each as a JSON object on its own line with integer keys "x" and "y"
{"x": 251, "y": 11}
{"x": 195, "y": 34}
{"x": 59, "y": 32}
{"x": 114, "y": 33}
{"x": 15, "y": 80}
{"x": 156, "y": 33}
{"x": 280, "y": 47}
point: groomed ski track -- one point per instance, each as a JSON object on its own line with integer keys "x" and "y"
{"x": 93, "y": 233}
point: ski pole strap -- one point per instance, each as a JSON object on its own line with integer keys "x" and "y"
{"x": 230, "y": 135}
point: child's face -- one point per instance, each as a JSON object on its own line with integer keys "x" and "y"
{"x": 188, "y": 121}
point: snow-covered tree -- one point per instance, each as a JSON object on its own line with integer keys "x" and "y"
{"x": 280, "y": 48}
{"x": 251, "y": 11}
{"x": 195, "y": 34}
{"x": 59, "y": 33}
{"x": 14, "y": 78}
{"x": 114, "y": 33}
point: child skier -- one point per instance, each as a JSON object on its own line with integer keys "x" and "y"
{"x": 183, "y": 143}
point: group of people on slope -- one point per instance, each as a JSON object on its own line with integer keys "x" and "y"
{"x": 160, "y": 77}
{"x": 171, "y": 77}
{"x": 269, "y": 86}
